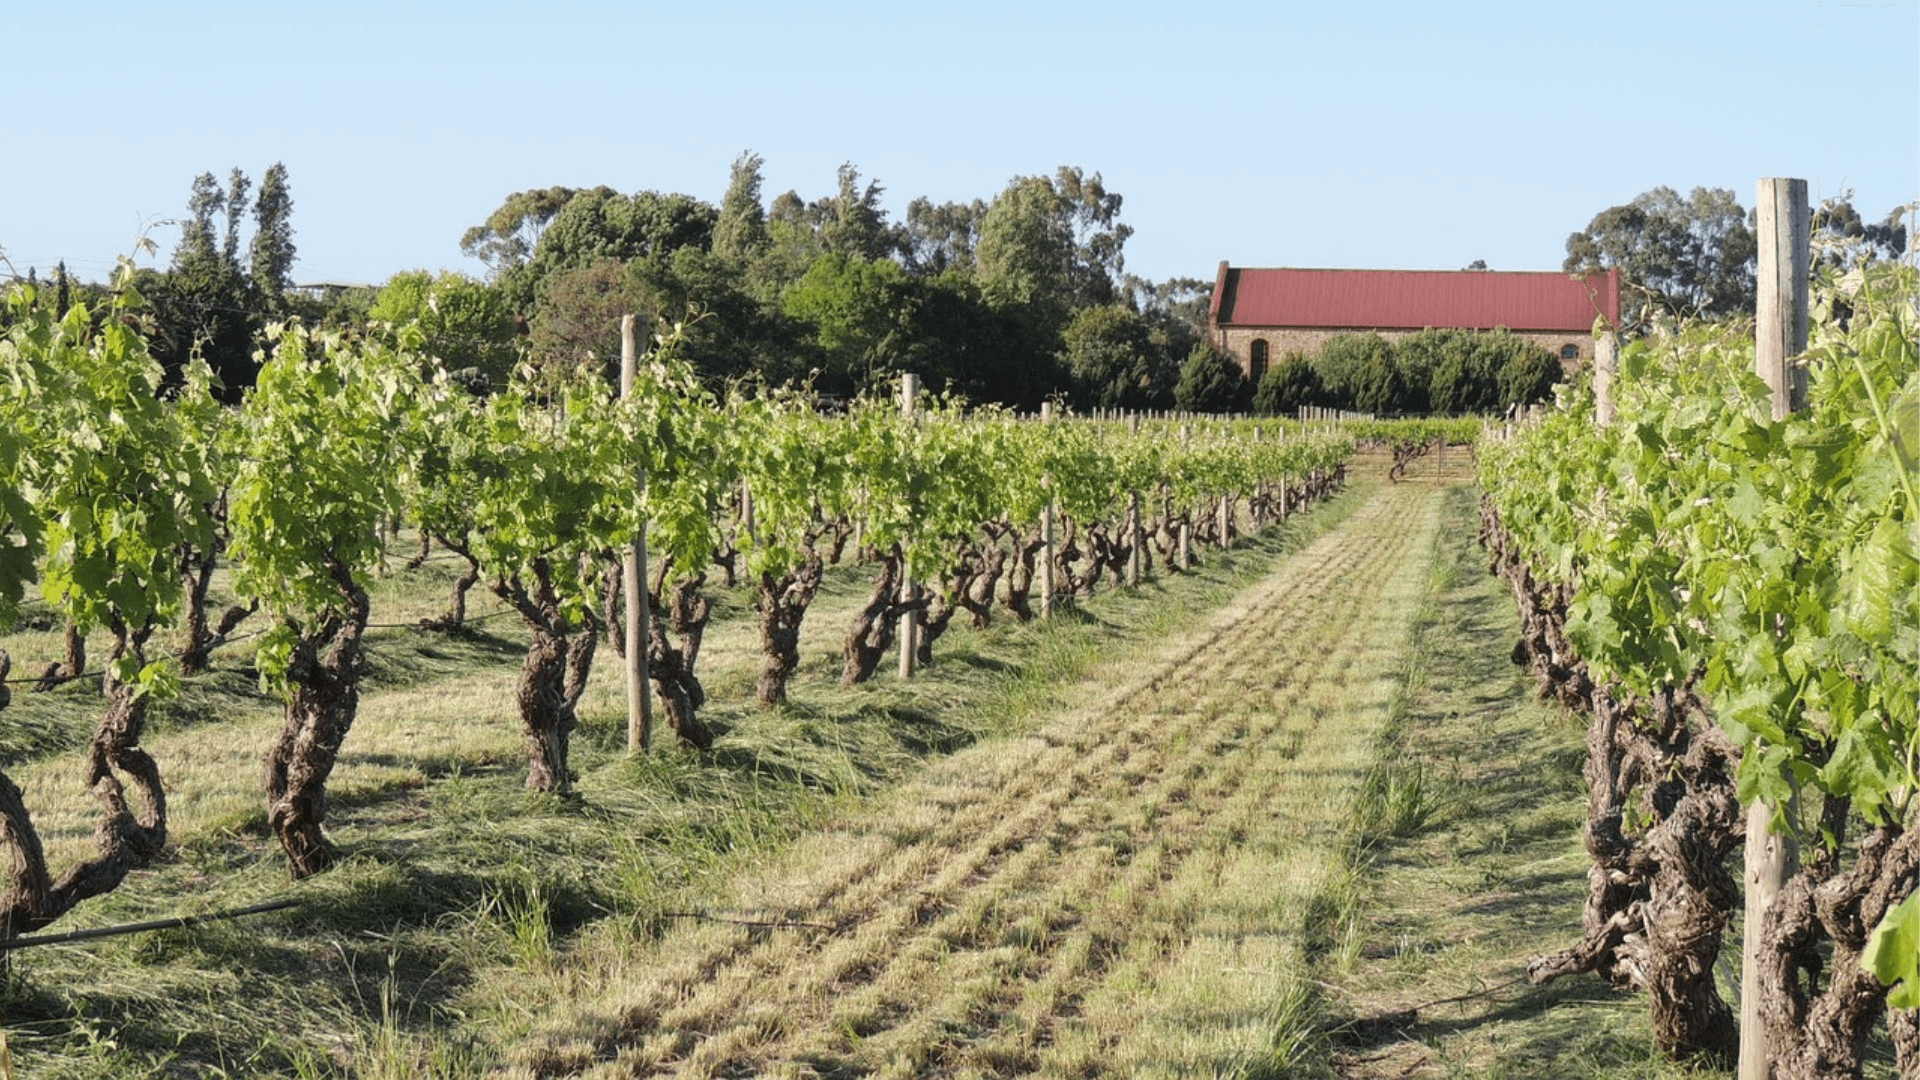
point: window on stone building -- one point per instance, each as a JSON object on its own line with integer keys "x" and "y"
{"x": 1569, "y": 352}
{"x": 1257, "y": 358}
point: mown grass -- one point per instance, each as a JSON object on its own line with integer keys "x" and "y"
{"x": 1469, "y": 860}
{"x": 1272, "y": 893}
{"x": 1120, "y": 891}
{"x": 410, "y": 957}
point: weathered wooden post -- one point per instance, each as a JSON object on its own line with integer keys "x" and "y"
{"x": 746, "y": 510}
{"x": 909, "y": 633}
{"x": 639, "y": 701}
{"x": 1780, "y": 334}
{"x": 1046, "y": 536}
{"x": 1606, "y": 365}
{"x": 1138, "y": 538}
{"x": 1186, "y": 517}
{"x": 1780, "y": 308}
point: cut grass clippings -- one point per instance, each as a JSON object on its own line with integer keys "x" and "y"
{"x": 458, "y": 890}
{"x": 1134, "y": 887}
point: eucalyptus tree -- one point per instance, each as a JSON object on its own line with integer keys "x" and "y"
{"x": 507, "y": 239}
{"x": 1054, "y": 237}
{"x": 1688, "y": 255}
{"x": 941, "y": 237}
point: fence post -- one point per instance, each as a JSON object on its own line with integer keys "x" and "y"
{"x": 1780, "y": 334}
{"x": 1186, "y": 517}
{"x": 909, "y": 632}
{"x": 1606, "y": 365}
{"x": 1046, "y": 537}
{"x": 1138, "y": 538}
{"x": 639, "y": 701}
{"x": 1780, "y": 310}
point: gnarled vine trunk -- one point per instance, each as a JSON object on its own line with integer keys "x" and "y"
{"x": 872, "y": 631}
{"x": 1024, "y": 553}
{"x": 456, "y": 613}
{"x": 126, "y": 838}
{"x": 1903, "y": 1026}
{"x": 1814, "y": 932}
{"x": 1659, "y": 891}
{"x": 552, "y": 678}
{"x": 323, "y": 697}
{"x": 671, "y": 665}
{"x": 964, "y": 586}
{"x": 870, "y": 634}
{"x": 783, "y": 604}
{"x": 546, "y": 700}
{"x": 196, "y": 567}
{"x": 71, "y": 668}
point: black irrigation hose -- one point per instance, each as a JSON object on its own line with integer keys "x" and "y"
{"x": 9, "y": 944}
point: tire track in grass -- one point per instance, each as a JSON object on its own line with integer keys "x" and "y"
{"x": 1032, "y": 904}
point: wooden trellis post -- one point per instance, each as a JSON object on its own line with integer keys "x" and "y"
{"x": 1046, "y": 537}
{"x": 1606, "y": 365}
{"x": 1780, "y": 333}
{"x": 639, "y": 702}
{"x": 909, "y": 632}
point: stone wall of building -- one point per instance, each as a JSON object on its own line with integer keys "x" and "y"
{"x": 1237, "y": 342}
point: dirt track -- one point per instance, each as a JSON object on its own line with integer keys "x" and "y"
{"x": 1127, "y": 892}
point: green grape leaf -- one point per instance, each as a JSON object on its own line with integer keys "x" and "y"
{"x": 1892, "y": 954}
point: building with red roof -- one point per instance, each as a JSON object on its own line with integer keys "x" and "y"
{"x": 1259, "y": 315}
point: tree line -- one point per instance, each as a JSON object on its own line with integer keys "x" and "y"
{"x": 1016, "y": 299}
{"x": 1694, "y": 256}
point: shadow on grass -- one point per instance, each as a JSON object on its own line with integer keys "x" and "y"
{"x": 1537, "y": 1023}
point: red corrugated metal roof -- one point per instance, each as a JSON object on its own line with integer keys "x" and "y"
{"x": 1415, "y": 299}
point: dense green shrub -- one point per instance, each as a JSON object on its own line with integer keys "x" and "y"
{"x": 1288, "y": 385}
{"x": 1210, "y": 382}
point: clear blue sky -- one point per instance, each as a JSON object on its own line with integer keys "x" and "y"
{"x": 1337, "y": 134}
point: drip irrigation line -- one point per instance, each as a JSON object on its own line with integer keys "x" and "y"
{"x": 9, "y": 944}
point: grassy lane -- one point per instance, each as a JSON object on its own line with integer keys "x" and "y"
{"x": 1139, "y": 888}
{"x": 1469, "y": 858}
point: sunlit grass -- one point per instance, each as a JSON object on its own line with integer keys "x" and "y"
{"x": 461, "y": 898}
